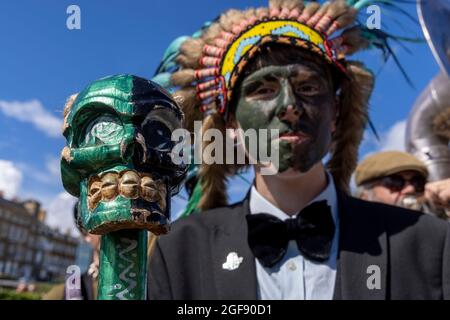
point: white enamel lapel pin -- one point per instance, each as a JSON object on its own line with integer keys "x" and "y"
{"x": 233, "y": 261}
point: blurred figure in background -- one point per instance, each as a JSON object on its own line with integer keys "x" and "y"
{"x": 25, "y": 285}
{"x": 88, "y": 258}
{"x": 399, "y": 179}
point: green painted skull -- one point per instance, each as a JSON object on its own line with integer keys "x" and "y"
{"x": 118, "y": 155}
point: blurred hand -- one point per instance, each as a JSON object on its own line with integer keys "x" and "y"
{"x": 438, "y": 193}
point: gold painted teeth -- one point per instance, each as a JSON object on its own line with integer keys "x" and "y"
{"x": 129, "y": 184}
{"x": 95, "y": 192}
{"x": 109, "y": 186}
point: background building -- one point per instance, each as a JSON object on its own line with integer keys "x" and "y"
{"x": 28, "y": 247}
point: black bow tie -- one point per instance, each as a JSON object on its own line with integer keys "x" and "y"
{"x": 312, "y": 229}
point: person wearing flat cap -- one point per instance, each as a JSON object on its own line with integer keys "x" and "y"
{"x": 400, "y": 179}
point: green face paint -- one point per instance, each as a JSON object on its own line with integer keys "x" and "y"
{"x": 298, "y": 101}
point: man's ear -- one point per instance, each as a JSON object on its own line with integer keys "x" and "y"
{"x": 364, "y": 196}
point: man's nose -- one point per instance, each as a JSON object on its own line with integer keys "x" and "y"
{"x": 288, "y": 110}
{"x": 290, "y": 114}
{"x": 408, "y": 189}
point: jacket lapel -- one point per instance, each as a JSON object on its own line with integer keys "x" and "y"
{"x": 234, "y": 263}
{"x": 362, "y": 261}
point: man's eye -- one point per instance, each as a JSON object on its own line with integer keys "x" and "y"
{"x": 264, "y": 91}
{"x": 308, "y": 89}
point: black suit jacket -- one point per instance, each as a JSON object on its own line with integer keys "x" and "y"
{"x": 411, "y": 249}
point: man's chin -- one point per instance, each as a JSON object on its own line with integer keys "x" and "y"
{"x": 291, "y": 173}
{"x": 298, "y": 171}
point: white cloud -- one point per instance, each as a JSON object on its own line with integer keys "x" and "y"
{"x": 391, "y": 139}
{"x": 394, "y": 138}
{"x": 60, "y": 213}
{"x": 33, "y": 112}
{"x": 10, "y": 179}
{"x": 53, "y": 166}
{"x": 51, "y": 176}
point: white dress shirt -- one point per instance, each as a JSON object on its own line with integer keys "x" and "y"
{"x": 295, "y": 277}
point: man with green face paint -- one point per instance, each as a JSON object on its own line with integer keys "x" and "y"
{"x": 297, "y": 234}
{"x": 297, "y": 100}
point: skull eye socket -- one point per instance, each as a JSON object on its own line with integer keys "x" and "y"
{"x": 165, "y": 116}
{"x": 104, "y": 129}
{"x": 159, "y": 125}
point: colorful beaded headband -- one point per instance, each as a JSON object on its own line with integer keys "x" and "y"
{"x": 222, "y": 63}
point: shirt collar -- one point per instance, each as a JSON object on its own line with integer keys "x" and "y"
{"x": 259, "y": 204}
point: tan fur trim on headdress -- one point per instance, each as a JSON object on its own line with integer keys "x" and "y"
{"x": 353, "y": 117}
{"x": 310, "y": 9}
{"x": 213, "y": 176}
{"x": 211, "y": 33}
{"x": 190, "y": 53}
{"x": 286, "y": 5}
{"x": 183, "y": 78}
{"x": 350, "y": 41}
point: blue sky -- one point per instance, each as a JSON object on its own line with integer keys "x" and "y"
{"x": 42, "y": 63}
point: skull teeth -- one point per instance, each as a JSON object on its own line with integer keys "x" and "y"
{"x": 95, "y": 194}
{"x": 129, "y": 184}
{"x": 109, "y": 186}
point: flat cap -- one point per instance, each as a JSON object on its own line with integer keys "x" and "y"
{"x": 383, "y": 164}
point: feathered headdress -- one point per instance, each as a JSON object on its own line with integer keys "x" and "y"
{"x": 205, "y": 68}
